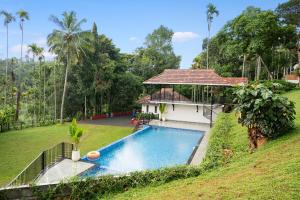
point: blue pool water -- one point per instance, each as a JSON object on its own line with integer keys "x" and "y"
{"x": 150, "y": 148}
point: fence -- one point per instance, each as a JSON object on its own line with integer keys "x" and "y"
{"x": 20, "y": 125}
{"x": 113, "y": 114}
{"x": 43, "y": 161}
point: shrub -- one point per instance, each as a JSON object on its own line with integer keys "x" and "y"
{"x": 148, "y": 116}
{"x": 108, "y": 185}
{"x": 263, "y": 112}
{"x": 219, "y": 140}
{"x": 279, "y": 86}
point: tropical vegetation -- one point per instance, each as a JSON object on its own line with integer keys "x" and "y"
{"x": 263, "y": 112}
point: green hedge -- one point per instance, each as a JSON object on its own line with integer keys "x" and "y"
{"x": 108, "y": 185}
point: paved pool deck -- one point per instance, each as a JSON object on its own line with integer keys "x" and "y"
{"x": 63, "y": 171}
{"x": 202, "y": 148}
{"x": 114, "y": 121}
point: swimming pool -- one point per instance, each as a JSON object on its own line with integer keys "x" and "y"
{"x": 150, "y": 148}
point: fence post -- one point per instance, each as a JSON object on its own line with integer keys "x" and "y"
{"x": 43, "y": 160}
{"x": 63, "y": 150}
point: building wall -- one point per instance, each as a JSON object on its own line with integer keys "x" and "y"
{"x": 186, "y": 113}
{"x": 151, "y": 108}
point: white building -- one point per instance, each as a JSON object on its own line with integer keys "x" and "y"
{"x": 201, "y": 108}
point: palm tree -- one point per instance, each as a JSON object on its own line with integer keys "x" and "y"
{"x": 210, "y": 13}
{"x": 23, "y": 15}
{"x": 67, "y": 44}
{"x": 34, "y": 49}
{"x": 39, "y": 54}
{"x": 41, "y": 58}
{"x": 8, "y": 18}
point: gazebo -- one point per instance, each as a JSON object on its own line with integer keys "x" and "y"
{"x": 203, "y": 105}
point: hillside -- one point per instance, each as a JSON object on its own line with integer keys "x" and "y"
{"x": 272, "y": 172}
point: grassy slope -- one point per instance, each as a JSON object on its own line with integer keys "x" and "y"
{"x": 272, "y": 172}
{"x": 19, "y": 148}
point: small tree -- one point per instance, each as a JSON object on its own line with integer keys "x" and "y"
{"x": 265, "y": 113}
{"x": 75, "y": 133}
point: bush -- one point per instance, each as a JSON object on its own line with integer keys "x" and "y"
{"x": 279, "y": 86}
{"x": 263, "y": 112}
{"x": 148, "y": 116}
{"x": 218, "y": 142}
{"x": 108, "y": 185}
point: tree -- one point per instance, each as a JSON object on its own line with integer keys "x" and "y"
{"x": 245, "y": 43}
{"x": 210, "y": 13}
{"x": 23, "y": 15}
{"x": 34, "y": 49}
{"x": 289, "y": 12}
{"x": 263, "y": 112}
{"x": 157, "y": 54}
{"x": 67, "y": 44}
{"x": 8, "y": 18}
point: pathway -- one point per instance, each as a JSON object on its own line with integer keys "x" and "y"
{"x": 63, "y": 171}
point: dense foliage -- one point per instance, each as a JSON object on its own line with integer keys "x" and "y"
{"x": 263, "y": 112}
{"x": 88, "y": 76}
{"x": 256, "y": 44}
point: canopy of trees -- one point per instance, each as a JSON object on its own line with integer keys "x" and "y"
{"x": 88, "y": 76}
{"x": 255, "y": 44}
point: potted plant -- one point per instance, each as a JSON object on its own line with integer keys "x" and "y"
{"x": 75, "y": 134}
{"x": 162, "y": 109}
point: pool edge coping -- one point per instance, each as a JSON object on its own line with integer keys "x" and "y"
{"x": 195, "y": 149}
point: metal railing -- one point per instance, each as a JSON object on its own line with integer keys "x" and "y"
{"x": 43, "y": 161}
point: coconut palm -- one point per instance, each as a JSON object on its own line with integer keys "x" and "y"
{"x": 210, "y": 13}
{"x": 8, "y": 18}
{"x": 23, "y": 15}
{"x": 67, "y": 43}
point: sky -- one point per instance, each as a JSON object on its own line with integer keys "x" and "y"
{"x": 126, "y": 22}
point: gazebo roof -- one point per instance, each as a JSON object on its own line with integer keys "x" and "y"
{"x": 193, "y": 77}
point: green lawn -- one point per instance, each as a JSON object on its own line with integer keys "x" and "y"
{"x": 272, "y": 172}
{"x": 19, "y": 148}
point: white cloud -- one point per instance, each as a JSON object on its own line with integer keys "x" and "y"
{"x": 133, "y": 38}
{"x": 48, "y": 55}
{"x": 41, "y": 42}
{"x": 17, "y": 49}
{"x": 184, "y": 36}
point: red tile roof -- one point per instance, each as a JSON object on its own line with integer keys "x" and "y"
{"x": 166, "y": 94}
{"x": 193, "y": 77}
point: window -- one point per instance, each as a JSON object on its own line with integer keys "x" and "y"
{"x": 147, "y": 108}
{"x": 155, "y": 109}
